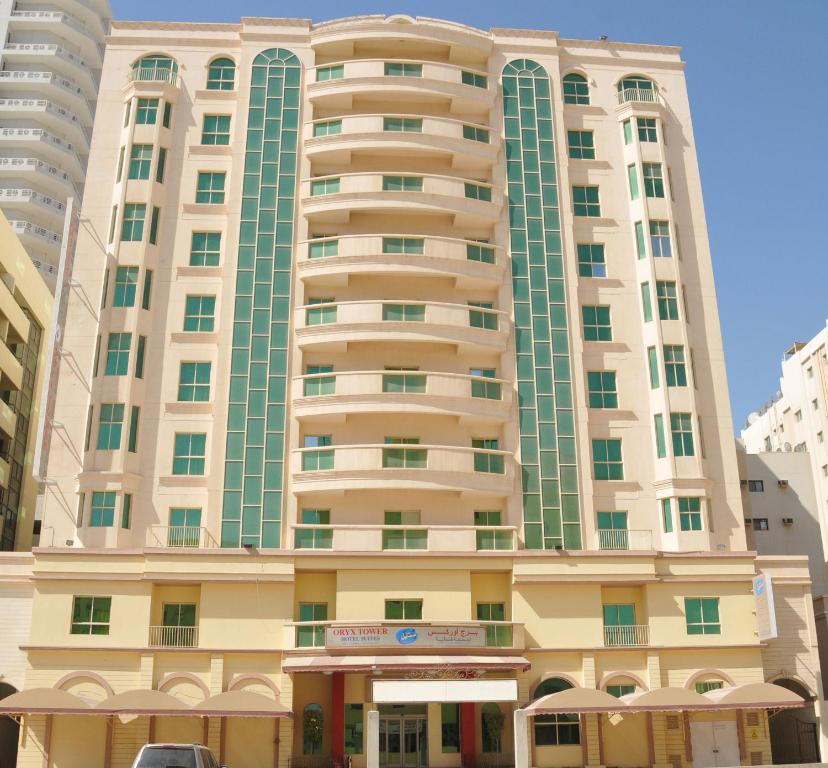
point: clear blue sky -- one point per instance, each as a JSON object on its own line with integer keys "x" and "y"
{"x": 757, "y": 74}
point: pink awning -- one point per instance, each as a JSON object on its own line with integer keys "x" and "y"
{"x": 327, "y": 663}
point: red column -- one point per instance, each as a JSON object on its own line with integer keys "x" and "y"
{"x": 467, "y": 738}
{"x": 338, "y": 718}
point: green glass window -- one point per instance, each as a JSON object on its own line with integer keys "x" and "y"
{"x": 497, "y": 635}
{"x": 586, "y": 202}
{"x": 402, "y": 183}
{"x": 476, "y": 133}
{"x": 597, "y": 325}
{"x": 132, "y": 225}
{"x": 327, "y": 128}
{"x": 403, "y": 610}
{"x": 162, "y": 164}
{"x": 667, "y": 515}
{"x": 215, "y": 130}
{"x": 140, "y": 348}
{"x": 221, "y": 75}
{"x": 403, "y": 69}
{"x": 90, "y": 615}
{"x": 555, "y": 730}
{"x": 702, "y": 615}
{"x": 403, "y": 381}
{"x": 126, "y": 282}
{"x": 410, "y": 245}
{"x": 646, "y": 302}
{"x": 661, "y": 444}
{"x": 403, "y": 124}
{"x": 581, "y": 144}
{"x": 450, "y": 726}
{"x": 323, "y": 248}
{"x": 652, "y": 362}
{"x": 575, "y": 89}
{"x": 632, "y": 175}
{"x": 681, "y": 428}
{"x": 167, "y": 117}
{"x": 612, "y": 530}
{"x": 709, "y": 685}
{"x": 591, "y": 260}
{"x": 102, "y": 513}
{"x": 314, "y": 538}
{"x": 184, "y": 527}
{"x": 126, "y": 512}
{"x": 408, "y": 313}
{"x": 333, "y": 72}
{"x": 324, "y": 187}
{"x": 319, "y": 384}
{"x": 628, "y": 136}
{"x": 199, "y": 314}
{"x": 155, "y": 67}
{"x": 483, "y": 388}
{"x": 646, "y": 129}
{"x": 140, "y": 160}
{"x": 146, "y": 112}
{"x": 690, "y": 518}
{"x": 404, "y": 458}
{"x": 354, "y": 729}
{"x": 602, "y": 391}
{"x": 153, "y": 232}
{"x": 478, "y": 252}
{"x": 205, "y": 249}
{"x": 314, "y": 635}
{"x": 606, "y": 459}
{"x": 395, "y": 536}
{"x": 490, "y": 463}
{"x": 120, "y": 171}
{"x": 480, "y": 318}
{"x": 653, "y": 179}
{"x": 322, "y": 457}
{"x": 478, "y": 192}
{"x": 472, "y": 78}
{"x": 675, "y": 371}
{"x": 636, "y": 83}
{"x": 491, "y": 539}
{"x": 210, "y": 187}
{"x": 667, "y": 297}
{"x": 320, "y": 315}
{"x": 619, "y": 615}
{"x": 110, "y": 424}
{"x": 618, "y": 691}
{"x": 640, "y": 245}
{"x": 194, "y": 382}
{"x": 189, "y": 453}
{"x": 117, "y": 354}
{"x": 660, "y": 239}
{"x": 113, "y": 219}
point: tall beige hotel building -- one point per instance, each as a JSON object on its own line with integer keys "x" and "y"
{"x": 392, "y": 400}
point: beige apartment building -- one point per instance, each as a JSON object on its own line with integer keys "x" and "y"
{"x": 395, "y": 426}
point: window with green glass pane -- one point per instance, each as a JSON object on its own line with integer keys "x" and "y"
{"x": 674, "y": 365}
{"x": 623, "y": 689}
{"x": 472, "y": 78}
{"x": 320, "y": 315}
{"x": 324, "y": 187}
{"x": 117, "y": 354}
{"x": 702, "y": 615}
{"x": 327, "y": 128}
{"x": 397, "y": 536}
{"x": 134, "y": 421}
{"x": 403, "y": 124}
{"x": 404, "y": 457}
{"x": 153, "y": 231}
{"x": 140, "y": 160}
{"x": 497, "y": 635}
{"x": 110, "y": 424}
{"x": 403, "y": 69}
{"x": 476, "y": 133}
{"x": 409, "y": 313}
{"x": 162, "y": 164}
{"x": 320, "y": 456}
{"x": 402, "y": 183}
{"x": 126, "y": 282}
{"x": 647, "y": 129}
{"x": 314, "y": 538}
{"x": 591, "y": 260}
{"x": 652, "y": 363}
{"x": 323, "y": 248}
{"x": 709, "y": 685}
{"x": 690, "y": 517}
{"x": 205, "y": 249}
{"x": 314, "y": 635}
{"x": 490, "y": 463}
{"x": 450, "y": 728}
{"x": 491, "y": 539}
{"x": 403, "y": 610}
{"x": 401, "y": 380}
{"x": 210, "y": 187}
{"x": 477, "y": 252}
{"x": 354, "y": 729}
{"x": 102, "y": 511}
{"x": 632, "y": 176}
{"x": 646, "y": 302}
{"x": 653, "y": 179}
{"x": 660, "y": 239}
{"x": 607, "y": 463}
{"x": 581, "y": 144}
{"x": 481, "y": 387}
{"x": 628, "y": 134}
{"x": 575, "y": 89}
{"x": 681, "y": 429}
{"x": 199, "y": 314}
{"x": 215, "y": 130}
{"x": 619, "y": 615}
{"x": 661, "y": 443}
{"x": 146, "y": 112}
{"x": 409, "y": 245}
{"x": 132, "y": 225}
{"x": 479, "y": 318}
{"x": 597, "y": 325}
{"x": 90, "y": 615}
{"x": 332, "y": 72}
{"x": 167, "y": 117}
{"x": 316, "y": 384}
{"x": 221, "y": 75}
{"x": 184, "y": 527}
{"x": 478, "y": 192}
{"x": 189, "y": 453}
{"x": 667, "y": 515}
{"x": 586, "y": 201}
{"x": 602, "y": 389}
{"x": 194, "y": 382}
{"x": 667, "y": 297}
{"x": 640, "y": 244}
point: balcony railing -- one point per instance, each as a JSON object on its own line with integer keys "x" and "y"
{"x": 645, "y": 95}
{"x": 180, "y": 537}
{"x": 629, "y": 635}
{"x": 624, "y": 539}
{"x": 153, "y": 75}
{"x": 173, "y": 637}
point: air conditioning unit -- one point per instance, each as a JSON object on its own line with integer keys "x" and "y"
{"x": 787, "y": 521}
{"x": 782, "y": 483}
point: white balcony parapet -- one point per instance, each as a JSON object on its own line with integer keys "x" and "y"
{"x": 33, "y": 164}
{"x": 371, "y": 182}
{"x": 26, "y": 228}
{"x": 646, "y": 95}
{"x": 173, "y": 637}
{"x": 625, "y": 540}
{"x": 153, "y": 75}
{"x": 57, "y": 17}
{"x": 37, "y": 79}
{"x": 44, "y": 105}
{"x": 180, "y": 537}
{"x": 47, "y": 48}
{"x": 10, "y": 196}
{"x": 630, "y": 635}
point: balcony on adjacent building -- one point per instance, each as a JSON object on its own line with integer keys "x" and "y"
{"x": 63, "y": 24}
{"x": 54, "y": 117}
{"x": 630, "y": 635}
{"x": 41, "y": 175}
{"x": 45, "y": 145}
{"x": 33, "y": 235}
{"x": 48, "y": 84}
{"x": 23, "y": 199}
{"x": 53, "y": 57}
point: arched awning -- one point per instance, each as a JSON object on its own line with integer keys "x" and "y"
{"x": 142, "y": 701}
{"x": 665, "y": 700}
{"x": 755, "y": 696}
{"x": 241, "y": 704}
{"x": 574, "y": 700}
{"x": 51, "y": 701}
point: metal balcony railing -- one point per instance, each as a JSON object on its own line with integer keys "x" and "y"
{"x": 629, "y": 635}
{"x": 646, "y": 95}
{"x": 180, "y": 536}
{"x": 154, "y": 75}
{"x": 624, "y": 539}
{"x": 173, "y": 637}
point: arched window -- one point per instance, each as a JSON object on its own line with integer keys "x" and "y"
{"x": 312, "y": 729}
{"x": 620, "y": 686}
{"x": 636, "y": 88}
{"x": 555, "y": 730}
{"x": 221, "y": 75}
{"x": 156, "y": 67}
{"x": 575, "y": 89}
{"x": 491, "y": 728}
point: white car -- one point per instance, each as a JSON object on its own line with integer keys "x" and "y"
{"x": 175, "y": 756}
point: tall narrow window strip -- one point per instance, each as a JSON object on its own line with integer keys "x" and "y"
{"x": 652, "y": 361}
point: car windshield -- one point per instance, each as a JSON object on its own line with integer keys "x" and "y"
{"x": 167, "y": 757}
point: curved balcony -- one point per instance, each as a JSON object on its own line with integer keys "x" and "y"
{"x": 34, "y": 205}
{"x": 34, "y": 236}
{"x": 330, "y": 261}
{"x": 63, "y": 25}
{"x": 52, "y": 57}
{"x": 436, "y": 82}
{"x": 332, "y": 198}
{"x": 338, "y": 324}
{"x": 374, "y": 135}
{"x": 474, "y": 398}
{"x": 61, "y": 121}
{"x": 48, "y": 84}
{"x": 43, "y": 175}
{"x": 416, "y": 467}
{"x": 44, "y": 144}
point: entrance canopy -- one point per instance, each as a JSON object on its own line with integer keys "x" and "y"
{"x": 43, "y": 701}
{"x": 327, "y": 663}
{"x": 573, "y": 700}
{"x": 443, "y": 691}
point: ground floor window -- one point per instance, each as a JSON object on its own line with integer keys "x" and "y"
{"x": 450, "y": 727}
{"x": 491, "y": 727}
{"x": 353, "y": 729}
{"x": 312, "y": 729}
{"x": 560, "y": 729}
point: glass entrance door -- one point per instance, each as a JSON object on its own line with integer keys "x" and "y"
{"x": 403, "y": 741}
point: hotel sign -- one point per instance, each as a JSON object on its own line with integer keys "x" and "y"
{"x": 401, "y": 636}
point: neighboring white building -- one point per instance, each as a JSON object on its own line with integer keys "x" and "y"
{"x": 50, "y": 66}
